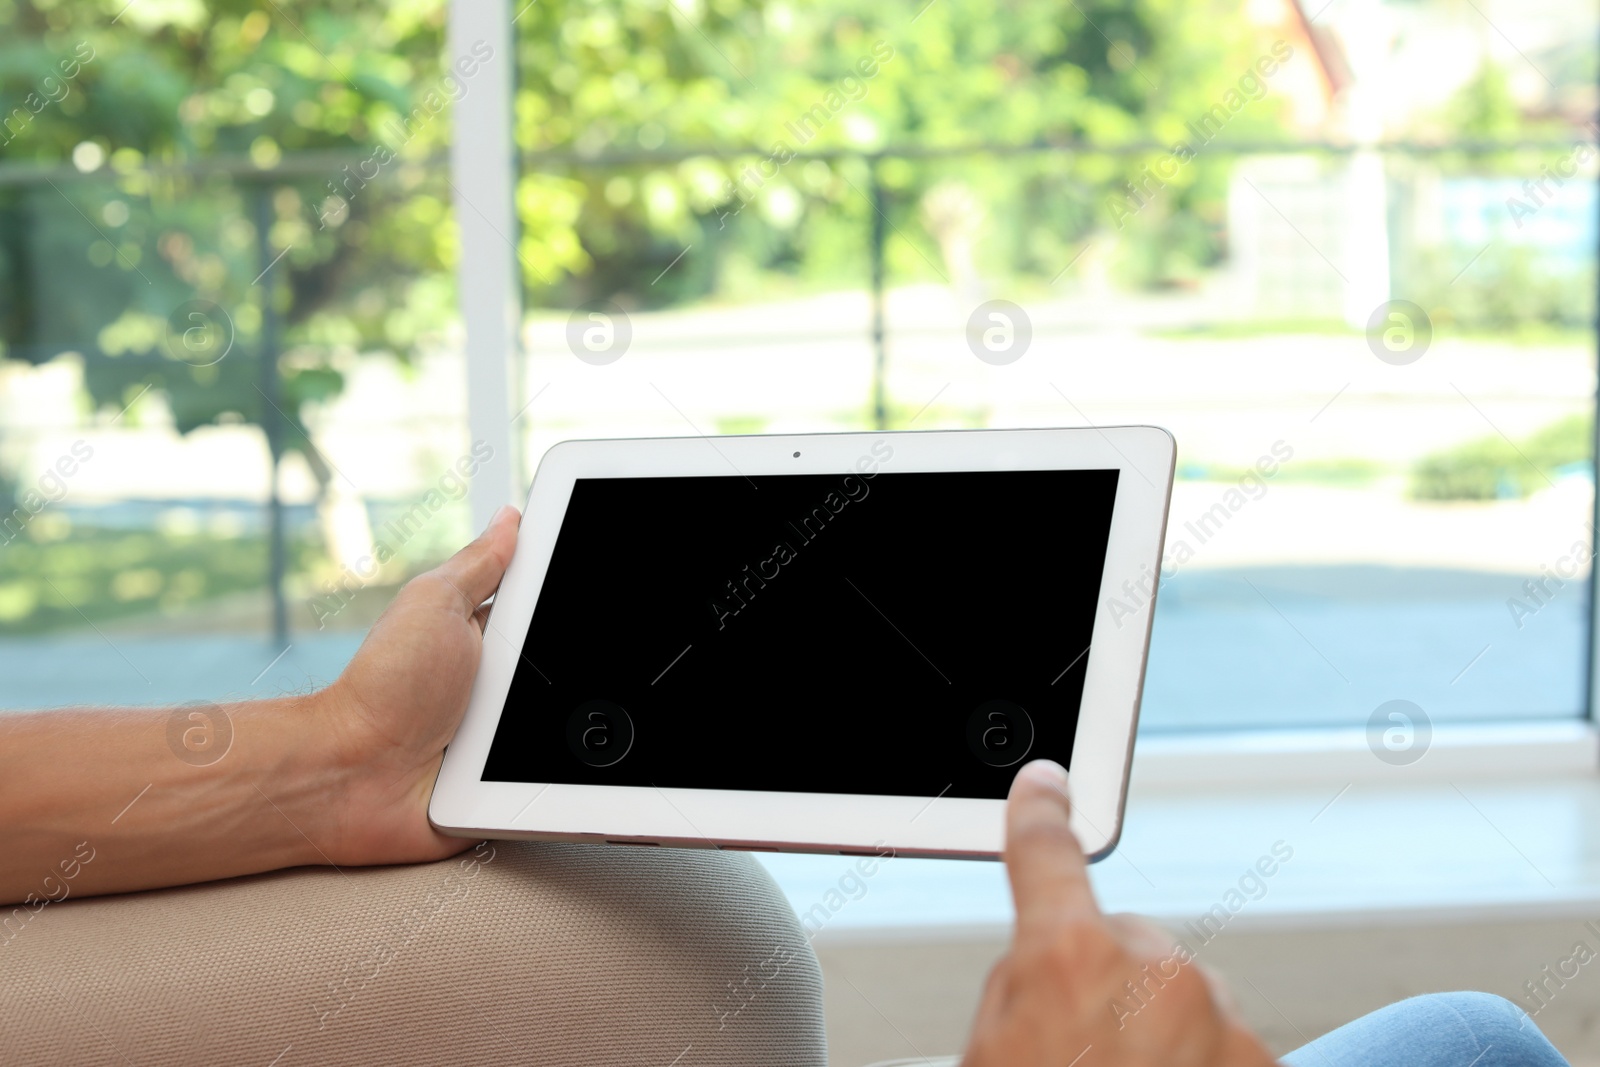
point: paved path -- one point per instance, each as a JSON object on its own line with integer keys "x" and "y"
{"x": 1233, "y": 647}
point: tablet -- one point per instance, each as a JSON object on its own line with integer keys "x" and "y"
{"x": 821, "y": 643}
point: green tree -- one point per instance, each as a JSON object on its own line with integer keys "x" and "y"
{"x": 625, "y": 87}
{"x": 104, "y": 259}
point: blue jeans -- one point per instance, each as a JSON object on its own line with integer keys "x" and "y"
{"x": 1440, "y": 1030}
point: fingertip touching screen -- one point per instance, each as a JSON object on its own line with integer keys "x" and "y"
{"x": 904, "y": 634}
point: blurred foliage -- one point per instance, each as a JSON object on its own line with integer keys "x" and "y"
{"x": 621, "y": 110}
{"x": 614, "y": 102}
{"x": 615, "y": 83}
{"x": 1506, "y": 290}
{"x": 107, "y": 574}
{"x": 1486, "y": 109}
{"x": 1493, "y": 468}
{"x": 1513, "y": 287}
{"x": 1255, "y": 327}
{"x": 98, "y": 262}
{"x": 1339, "y": 473}
{"x": 184, "y": 559}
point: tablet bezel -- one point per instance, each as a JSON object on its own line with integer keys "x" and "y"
{"x": 465, "y": 805}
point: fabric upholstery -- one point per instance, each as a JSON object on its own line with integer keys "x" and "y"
{"x": 516, "y": 953}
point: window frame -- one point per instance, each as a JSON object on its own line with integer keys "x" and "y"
{"x": 483, "y": 172}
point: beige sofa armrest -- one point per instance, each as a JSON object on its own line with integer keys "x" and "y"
{"x": 514, "y": 953}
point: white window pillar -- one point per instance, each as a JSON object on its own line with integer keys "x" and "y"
{"x": 483, "y": 176}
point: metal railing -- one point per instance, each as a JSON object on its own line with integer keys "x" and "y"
{"x": 259, "y": 182}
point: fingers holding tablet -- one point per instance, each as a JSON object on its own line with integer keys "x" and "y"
{"x": 476, "y": 570}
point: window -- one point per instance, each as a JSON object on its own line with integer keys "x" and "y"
{"x": 1347, "y": 255}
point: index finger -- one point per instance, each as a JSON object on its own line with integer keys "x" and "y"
{"x": 1048, "y": 870}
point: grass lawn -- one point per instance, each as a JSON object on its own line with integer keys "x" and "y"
{"x": 64, "y": 579}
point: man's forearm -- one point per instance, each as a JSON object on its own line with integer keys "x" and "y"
{"x": 107, "y": 801}
{"x": 119, "y": 799}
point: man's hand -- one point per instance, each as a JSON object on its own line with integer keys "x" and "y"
{"x": 390, "y": 715}
{"x": 1081, "y": 987}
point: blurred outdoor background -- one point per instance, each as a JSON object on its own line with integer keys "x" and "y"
{"x": 230, "y": 355}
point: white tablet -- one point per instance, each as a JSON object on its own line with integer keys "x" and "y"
{"x": 821, "y": 643}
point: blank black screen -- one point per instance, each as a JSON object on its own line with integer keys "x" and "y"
{"x": 911, "y": 634}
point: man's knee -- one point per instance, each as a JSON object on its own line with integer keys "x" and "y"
{"x": 1499, "y": 1030}
{"x": 1436, "y": 1030}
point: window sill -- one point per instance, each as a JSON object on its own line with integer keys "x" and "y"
{"x": 1493, "y": 822}
{"x": 1471, "y": 751}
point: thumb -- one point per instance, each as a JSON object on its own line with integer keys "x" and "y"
{"x": 475, "y": 571}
